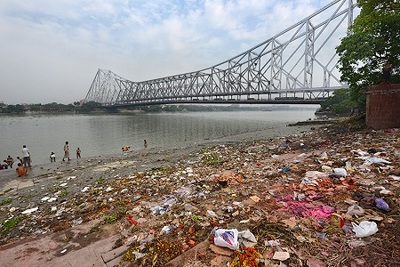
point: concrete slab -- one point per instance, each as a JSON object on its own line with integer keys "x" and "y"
{"x": 111, "y": 255}
{"x": 32, "y": 253}
{"x": 25, "y": 183}
{"x": 49, "y": 251}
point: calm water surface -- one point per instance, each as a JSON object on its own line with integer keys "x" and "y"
{"x": 107, "y": 134}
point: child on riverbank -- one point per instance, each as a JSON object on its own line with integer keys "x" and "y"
{"x": 52, "y": 157}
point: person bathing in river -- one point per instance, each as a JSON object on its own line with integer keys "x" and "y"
{"x": 21, "y": 170}
{"x": 4, "y": 165}
{"x": 10, "y": 161}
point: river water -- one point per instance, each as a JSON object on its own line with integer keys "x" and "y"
{"x": 107, "y": 134}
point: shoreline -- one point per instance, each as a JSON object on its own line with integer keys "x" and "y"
{"x": 54, "y": 169}
{"x": 93, "y": 144}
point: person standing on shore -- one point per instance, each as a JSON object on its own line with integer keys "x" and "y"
{"x": 66, "y": 152}
{"x": 27, "y": 156}
{"x": 78, "y": 153}
{"x": 145, "y": 143}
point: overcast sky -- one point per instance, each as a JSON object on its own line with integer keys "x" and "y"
{"x": 50, "y": 50}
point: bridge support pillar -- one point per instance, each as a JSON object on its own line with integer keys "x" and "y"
{"x": 383, "y": 106}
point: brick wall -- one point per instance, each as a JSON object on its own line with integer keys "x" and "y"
{"x": 383, "y": 106}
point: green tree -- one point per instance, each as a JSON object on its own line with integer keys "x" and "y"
{"x": 340, "y": 103}
{"x": 88, "y": 107}
{"x": 35, "y": 107}
{"x": 15, "y": 109}
{"x": 372, "y": 40}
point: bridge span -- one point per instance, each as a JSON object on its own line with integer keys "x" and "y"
{"x": 296, "y": 66}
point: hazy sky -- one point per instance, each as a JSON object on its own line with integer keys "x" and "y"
{"x": 50, "y": 50}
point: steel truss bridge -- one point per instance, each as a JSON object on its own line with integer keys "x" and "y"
{"x": 298, "y": 65}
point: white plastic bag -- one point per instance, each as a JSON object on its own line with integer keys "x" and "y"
{"x": 341, "y": 172}
{"x": 247, "y": 238}
{"x": 365, "y": 228}
{"x": 355, "y": 209}
{"x": 227, "y": 238}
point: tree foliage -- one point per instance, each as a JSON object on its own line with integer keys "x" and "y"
{"x": 340, "y": 103}
{"x": 372, "y": 40}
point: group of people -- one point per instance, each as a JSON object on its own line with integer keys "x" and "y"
{"x": 7, "y": 163}
{"x": 126, "y": 148}
{"x": 25, "y": 162}
{"x": 66, "y": 153}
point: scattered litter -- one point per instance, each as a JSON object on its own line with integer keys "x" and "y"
{"x": 330, "y": 197}
{"x": 247, "y": 238}
{"x": 341, "y": 172}
{"x": 45, "y": 198}
{"x": 52, "y": 199}
{"x": 376, "y": 160}
{"x": 255, "y": 198}
{"x": 395, "y": 178}
{"x": 281, "y": 255}
{"x": 167, "y": 229}
{"x": 365, "y": 228}
{"x": 381, "y": 204}
{"x": 29, "y": 211}
{"x": 86, "y": 188}
{"x": 226, "y": 238}
{"x": 131, "y": 220}
{"x": 355, "y": 210}
{"x": 77, "y": 221}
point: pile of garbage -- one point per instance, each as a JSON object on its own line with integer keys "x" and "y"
{"x": 324, "y": 198}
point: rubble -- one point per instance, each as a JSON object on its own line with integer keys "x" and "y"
{"x": 327, "y": 197}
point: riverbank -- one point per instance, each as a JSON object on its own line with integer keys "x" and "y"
{"x": 154, "y": 201}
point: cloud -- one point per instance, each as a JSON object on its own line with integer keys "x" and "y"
{"x": 51, "y": 50}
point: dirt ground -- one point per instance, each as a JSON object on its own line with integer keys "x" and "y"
{"x": 288, "y": 190}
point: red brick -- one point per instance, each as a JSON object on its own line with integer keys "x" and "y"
{"x": 383, "y": 106}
